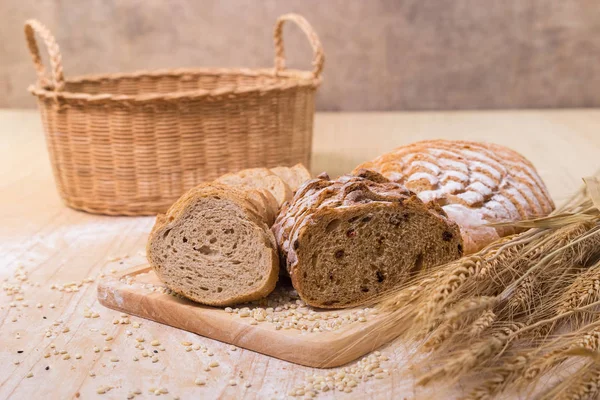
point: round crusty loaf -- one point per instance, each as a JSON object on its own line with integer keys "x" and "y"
{"x": 475, "y": 183}
{"x": 214, "y": 245}
{"x": 346, "y": 240}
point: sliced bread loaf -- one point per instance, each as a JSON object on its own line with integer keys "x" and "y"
{"x": 475, "y": 183}
{"x": 214, "y": 245}
{"x": 259, "y": 178}
{"x": 346, "y": 240}
{"x": 294, "y": 176}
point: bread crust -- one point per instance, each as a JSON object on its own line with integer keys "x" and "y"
{"x": 475, "y": 183}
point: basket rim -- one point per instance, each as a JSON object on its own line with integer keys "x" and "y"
{"x": 288, "y": 79}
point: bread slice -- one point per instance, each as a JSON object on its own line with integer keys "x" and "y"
{"x": 346, "y": 240}
{"x": 294, "y": 176}
{"x": 259, "y": 178}
{"x": 475, "y": 183}
{"x": 213, "y": 246}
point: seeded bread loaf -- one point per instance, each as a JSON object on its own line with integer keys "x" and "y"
{"x": 345, "y": 240}
{"x": 475, "y": 184}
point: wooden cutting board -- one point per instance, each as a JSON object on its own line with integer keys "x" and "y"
{"x": 138, "y": 291}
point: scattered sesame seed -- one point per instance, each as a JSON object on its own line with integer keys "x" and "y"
{"x": 155, "y": 343}
{"x": 96, "y": 349}
{"x": 29, "y": 374}
{"x": 39, "y": 305}
{"x": 135, "y": 358}
{"x": 184, "y": 343}
{"x": 66, "y": 357}
{"x": 106, "y": 348}
{"x": 200, "y": 381}
{"x": 213, "y": 364}
{"x": 232, "y": 383}
{"x": 51, "y": 305}
{"x": 154, "y": 359}
{"x": 108, "y": 338}
{"x": 114, "y": 359}
{"x": 77, "y": 356}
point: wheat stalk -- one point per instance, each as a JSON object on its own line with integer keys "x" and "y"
{"x": 584, "y": 290}
{"x": 461, "y": 314}
{"x": 466, "y": 360}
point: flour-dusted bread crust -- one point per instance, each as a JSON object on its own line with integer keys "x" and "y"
{"x": 213, "y": 246}
{"x": 294, "y": 176}
{"x": 475, "y": 183}
{"x": 346, "y": 240}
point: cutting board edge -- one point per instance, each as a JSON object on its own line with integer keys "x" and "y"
{"x": 312, "y": 350}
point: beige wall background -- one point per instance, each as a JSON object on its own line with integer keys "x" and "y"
{"x": 380, "y": 54}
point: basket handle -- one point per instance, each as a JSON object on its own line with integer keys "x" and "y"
{"x": 57, "y": 81}
{"x": 319, "y": 57}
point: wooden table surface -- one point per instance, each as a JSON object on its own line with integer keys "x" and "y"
{"x": 44, "y": 244}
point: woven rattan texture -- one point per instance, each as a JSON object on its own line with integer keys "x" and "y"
{"x": 131, "y": 144}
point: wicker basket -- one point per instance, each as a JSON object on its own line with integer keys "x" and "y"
{"x": 131, "y": 144}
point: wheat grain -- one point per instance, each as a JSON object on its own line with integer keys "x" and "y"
{"x": 482, "y": 323}
{"x": 500, "y": 378}
{"x": 522, "y": 300}
{"x": 584, "y": 290}
{"x": 465, "y": 360}
{"x": 567, "y": 346}
{"x": 587, "y": 387}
